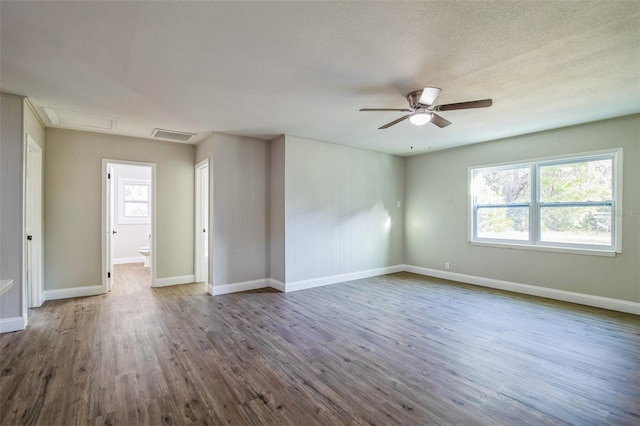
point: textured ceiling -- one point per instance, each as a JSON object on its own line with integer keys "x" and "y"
{"x": 305, "y": 68}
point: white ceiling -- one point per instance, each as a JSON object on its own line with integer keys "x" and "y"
{"x": 305, "y": 68}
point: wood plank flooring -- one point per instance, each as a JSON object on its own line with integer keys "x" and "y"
{"x": 397, "y": 349}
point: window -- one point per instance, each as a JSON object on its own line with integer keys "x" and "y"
{"x": 133, "y": 201}
{"x": 562, "y": 203}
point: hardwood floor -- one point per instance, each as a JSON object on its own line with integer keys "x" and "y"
{"x": 397, "y": 349}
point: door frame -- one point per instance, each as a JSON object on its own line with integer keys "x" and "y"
{"x": 33, "y": 260}
{"x": 200, "y": 201}
{"x": 106, "y": 233}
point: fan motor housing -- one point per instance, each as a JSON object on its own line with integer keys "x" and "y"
{"x": 413, "y": 99}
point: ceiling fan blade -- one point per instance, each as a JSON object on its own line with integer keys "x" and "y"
{"x": 429, "y": 95}
{"x": 394, "y": 122}
{"x": 385, "y": 109}
{"x": 439, "y": 121}
{"x": 483, "y": 103}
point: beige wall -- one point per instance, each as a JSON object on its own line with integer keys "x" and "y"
{"x": 437, "y": 213}
{"x": 73, "y": 204}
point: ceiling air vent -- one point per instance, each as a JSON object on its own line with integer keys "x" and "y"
{"x": 172, "y": 135}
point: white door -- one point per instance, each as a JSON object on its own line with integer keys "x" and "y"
{"x": 33, "y": 222}
{"x": 110, "y": 226}
{"x": 202, "y": 222}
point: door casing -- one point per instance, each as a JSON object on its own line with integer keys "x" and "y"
{"x": 107, "y": 219}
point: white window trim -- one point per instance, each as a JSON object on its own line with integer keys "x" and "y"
{"x": 124, "y": 220}
{"x": 536, "y": 244}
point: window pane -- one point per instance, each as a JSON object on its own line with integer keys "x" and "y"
{"x": 136, "y": 192}
{"x": 578, "y": 181}
{"x": 136, "y": 209}
{"x": 502, "y": 186}
{"x": 505, "y": 223}
{"x": 577, "y": 225}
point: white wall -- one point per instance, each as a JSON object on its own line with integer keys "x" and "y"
{"x": 73, "y": 204}
{"x": 129, "y": 236}
{"x": 341, "y": 210}
{"x": 437, "y": 213}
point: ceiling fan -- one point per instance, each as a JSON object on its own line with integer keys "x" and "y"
{"x": 422, "y": 109}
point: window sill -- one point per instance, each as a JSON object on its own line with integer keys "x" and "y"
{"x": 552, "y": 249}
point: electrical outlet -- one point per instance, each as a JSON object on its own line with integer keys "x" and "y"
{"x": 447, "y": 266}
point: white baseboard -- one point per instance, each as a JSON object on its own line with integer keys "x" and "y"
{"x": 549, "y": 293}
{"x": 121, "y": 260}
{"x": 334, "y": 279}
{"x": 8, "y": 325}
{"x": 66, "y": 293}
{"x": 278, "y": 285}
{"x": 216, "y": 290}
{"x": 164, "y": 282}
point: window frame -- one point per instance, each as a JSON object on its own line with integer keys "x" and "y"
{"x": 128, "y": 220}
{"x": 534, "y": 241}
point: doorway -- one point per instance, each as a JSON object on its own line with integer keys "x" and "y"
{"x": 128, "y": 221}
{"x": 33, "y": 224}
{"x": 202, "y": 223}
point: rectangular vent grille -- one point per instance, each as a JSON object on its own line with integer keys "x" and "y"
{"x": 172, "y": 135}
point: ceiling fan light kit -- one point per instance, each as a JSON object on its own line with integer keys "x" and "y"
{"x": 422, "y": 109}
{"x": 420, "y": 118}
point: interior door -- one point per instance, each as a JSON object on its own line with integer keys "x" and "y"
{"x": 110, "y": 226}
{"x": 33, "y": 222}
{"x": 205, "y": 223}
{"x": 202, "y": 223}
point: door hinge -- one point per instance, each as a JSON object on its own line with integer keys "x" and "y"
{"x": 108, "y": 175}
{"x": 108, "y": 274}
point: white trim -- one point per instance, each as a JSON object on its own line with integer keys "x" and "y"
{"x": 534, "y": 238}
{"x": 122, "y": 260}
{"x": 183, "y": 279}
{"x": 550, "y": 293}
{"x": 334, "y": 279}
{"x": 278, "y": 285}
{"x": 35, "y": 113}
{"x": 199, "y": 225}
{"x": 216, "y": 290}
{"x": 552, "y": 249}
{"x": 67, "y": 293}
{"x": 152, "y": 257}
{"x": 8, "y": 325}
{"x": 33, "y": 223}
{"x": 528, "y": 161}
{"x": 127, "y": 220}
